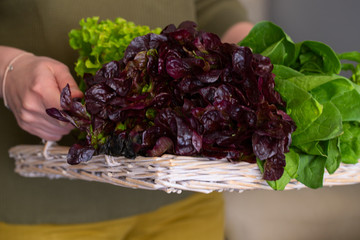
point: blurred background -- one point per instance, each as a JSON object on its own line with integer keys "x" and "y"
{"x": 329, "y": 213}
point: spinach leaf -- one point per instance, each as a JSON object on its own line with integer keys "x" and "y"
{"x": 309, "y": 82}
{"x": 300, "y": 105}
{"x": 285, "y": 72}
{"x": 328, "y": 90}
{"x": 333, "y": 155}
{"x": 316, "y": 57}
{"x": 325, "y": 127}
{"x": 343, "y": 94}
{"x": 324, "y": 105}
{"x": 351, "y": 56}
{"x": 329, "y": 149}
{"x": 349, "y": 105}
{"x": 277, "y": 51}
{"x": 355, "y": 69}
{"x": 313, "y": 148}
{"x": 277, "y": 45}
{"x": 311, "y": 170}
{"x": 350, "y": 143}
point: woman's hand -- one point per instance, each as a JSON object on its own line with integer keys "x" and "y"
{"x": 35, "y": 84}
{"x": 237, "y": 32}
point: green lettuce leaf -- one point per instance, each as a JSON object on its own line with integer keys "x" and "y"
{"x": 300, "y": 105}
{"x": 311, "y": 170}
{"x": 327, "y": 126}
{"x": 277, "y": 45}
{"x": 316, "y": 57}
{"x": 350, "y": 143}
{"x": 99, "y": 42}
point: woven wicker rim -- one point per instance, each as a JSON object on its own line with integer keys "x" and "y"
{"x": 169, "y": 173}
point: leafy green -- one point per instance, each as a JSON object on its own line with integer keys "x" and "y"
{"x": 311, "y": 170}
{"x": 313, "y": 148}
{"x": 333, "y": 155}
{"x": 327, "y": 126}
{"x": 290, "y": 170}
{"x": 343, "y": 94}
{"x": 350, "y": 142}
{"x": 355, "y": 57}
{"x": 277, "y": 45}
{"x": 285, "y": 72}
{"x": 324, "y": 105}
{"x": 349, "y": 105}
{"x": 309, "y": 82}
{"x": 99, "y": 42}
{"x": 316, "y": 57}
{"x": 301, "y": 106}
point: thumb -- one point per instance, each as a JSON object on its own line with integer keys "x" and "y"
{"x": 64, "y": 77}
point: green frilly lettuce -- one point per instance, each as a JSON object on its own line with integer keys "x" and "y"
{"x": 99, "y": 42}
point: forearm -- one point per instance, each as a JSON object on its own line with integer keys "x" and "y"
{"x": 7, "y": 55}
{"x": 237, "y": 32}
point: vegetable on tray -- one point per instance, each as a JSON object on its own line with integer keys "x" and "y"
{"x": 184, "y": 92}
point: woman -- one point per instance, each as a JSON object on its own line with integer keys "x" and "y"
{"x": 39, "y": 208}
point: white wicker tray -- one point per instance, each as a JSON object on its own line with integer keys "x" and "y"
{"x": 168, "y": 173}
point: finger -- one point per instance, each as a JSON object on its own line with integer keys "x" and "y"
{"x": 33, "y": 107}
{"x": 32, "y": 115}
{"x": 50, "y": 124}
{"x": 44, "y": 91}
{"x": 64, "y": 77}
{"x": 54, "y": 81}
{"x": 44, "y": 130}
{"x": 45, "y": 135}
{"x": 36, "y": 122}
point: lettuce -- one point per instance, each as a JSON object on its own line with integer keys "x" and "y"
{"x": 99, "y": 42}
{"x": 184, "y": 92}
{"x": 324, "y": 105}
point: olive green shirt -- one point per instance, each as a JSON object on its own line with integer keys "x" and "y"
{"x": 42, "y": 27}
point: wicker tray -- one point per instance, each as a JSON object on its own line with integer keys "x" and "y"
{"x": 168, "y": 173}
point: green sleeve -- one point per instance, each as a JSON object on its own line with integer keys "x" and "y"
{"x": 218, "y": 15}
